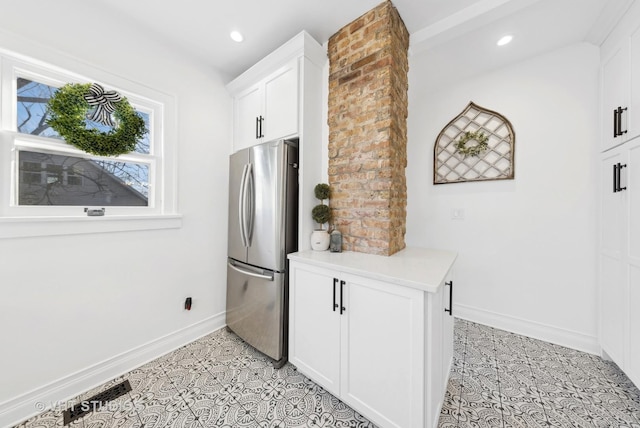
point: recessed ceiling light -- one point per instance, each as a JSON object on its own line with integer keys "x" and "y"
{"x": 236, "y": 36}
{"x": 504, "y": 40}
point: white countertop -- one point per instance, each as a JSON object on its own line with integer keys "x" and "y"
{"x": 419, "y": 268}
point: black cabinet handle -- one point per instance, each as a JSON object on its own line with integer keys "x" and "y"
{"x": 617, "y": 122}
{"x": 335, "y": 305}
{"x": 342, "y": 308}
{"x": 618, "y": 171}
{"x": 450, "y": 310}
{"x": 260, "y": 135}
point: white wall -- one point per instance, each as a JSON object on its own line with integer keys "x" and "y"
{"x": 71, "y": 303}
{"x": 527, "y": 247}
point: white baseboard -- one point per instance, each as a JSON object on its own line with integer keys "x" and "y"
{"x": 559, "y": 336}
{"x": 24, "y": 406}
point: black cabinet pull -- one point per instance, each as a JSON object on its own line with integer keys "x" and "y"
{"x": 261, "y": 135}
{"x": 450, "y": 310}
{"x": 335, "y": 305}
{"x": 617, "y": 122}
{"x": 619, "y": 169}
{"x": 342, "y": 308}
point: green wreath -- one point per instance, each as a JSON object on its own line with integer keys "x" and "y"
{"x": 479, "y": 137}
{"x": 69, "y": 109}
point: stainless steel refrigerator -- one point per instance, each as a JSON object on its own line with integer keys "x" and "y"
{"x": 263, "y": 225}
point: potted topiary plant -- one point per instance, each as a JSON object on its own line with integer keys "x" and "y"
{"x": 321, "y": 214}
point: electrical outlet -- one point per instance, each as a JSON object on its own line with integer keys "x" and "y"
{"x": 457, "y": 214}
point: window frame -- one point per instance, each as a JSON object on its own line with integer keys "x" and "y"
{"x": 161, "y": 159}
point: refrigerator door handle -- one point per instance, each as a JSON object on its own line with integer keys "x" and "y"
{"x": 241, "y": 206}
{"x": 249, "y": 207}
{"x": 250, "y": 273}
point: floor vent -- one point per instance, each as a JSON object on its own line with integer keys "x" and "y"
{"x": 96, "y": 402}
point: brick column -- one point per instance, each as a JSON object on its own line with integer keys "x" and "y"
{"x": 368, "y": 84}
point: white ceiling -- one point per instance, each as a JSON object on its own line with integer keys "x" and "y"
{"x": 449, "y": 33}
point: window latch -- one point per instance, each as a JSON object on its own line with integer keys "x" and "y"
{"x": 94, "y": 212}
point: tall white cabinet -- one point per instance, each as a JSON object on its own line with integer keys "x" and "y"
{"x": 371, "y": 334}
{"x": 281, "y": 97}
{"x": 619, "y": 237}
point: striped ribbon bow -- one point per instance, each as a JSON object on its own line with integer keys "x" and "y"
{"x": 103, "y": 102}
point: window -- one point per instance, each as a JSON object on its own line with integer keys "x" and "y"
{"x": 49, "y": 179}
{"x": 41, "y": 176}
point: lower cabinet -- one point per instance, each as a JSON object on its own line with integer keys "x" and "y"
{"x": 620, "y": 257}
{"x": 382, "y": 348}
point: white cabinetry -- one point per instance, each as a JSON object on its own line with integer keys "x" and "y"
{"x": 620, "y": 257}
{"x": 281, "y": 97}
{"x": 612, "y": 291}
{"x": 620, "y": 74}
{"x": 615, "y": 97}
{"x": 314, "y": 326}
{"x": 267, "y": 110}
{"x": 619, "y": 238}
{"x": 383, "y": 348}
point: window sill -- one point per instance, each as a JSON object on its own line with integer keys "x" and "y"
{"x": 20, "y": 227}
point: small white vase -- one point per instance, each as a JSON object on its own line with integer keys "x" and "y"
{"x": 320, "y": 240}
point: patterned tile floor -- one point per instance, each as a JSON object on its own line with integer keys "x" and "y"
{"x": 499, "y": 379}
{"x": 216, "y": 381}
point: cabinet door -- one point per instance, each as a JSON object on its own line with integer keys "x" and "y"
{"x": 633, "y": 369}
{"x": 633, "y": 259}
{"x": 612, "y": 280}
{"x": 314, "y": 325}
{"x": 634, "y": 101}
{"x": 437, "y": 351}
{"x": 447, "y": 329}
{"x": 281, "y": 103}
{"x": 383, "y": 351}
{"x": 615, "y": 90}
{"x": 248, "y": 108}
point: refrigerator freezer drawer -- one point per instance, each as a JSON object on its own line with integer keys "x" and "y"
{"x": 256, "y": 307}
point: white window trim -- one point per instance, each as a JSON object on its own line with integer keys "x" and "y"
{"x": 24, "y": 221}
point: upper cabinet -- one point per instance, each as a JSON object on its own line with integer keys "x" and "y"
{"x": 620, "y": 74}
{"x": 268, "y": 110}
{"x": 615, "y": 97}
{"x": 271, "y": 99}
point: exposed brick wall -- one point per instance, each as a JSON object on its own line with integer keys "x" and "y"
{"x": 368, "y": 65}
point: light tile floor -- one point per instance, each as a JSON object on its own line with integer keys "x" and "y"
{"x": 499, "y": 379}
{"x": 216, "y": 381}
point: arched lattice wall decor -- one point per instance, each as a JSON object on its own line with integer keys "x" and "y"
{"x": 475, "y": 123}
